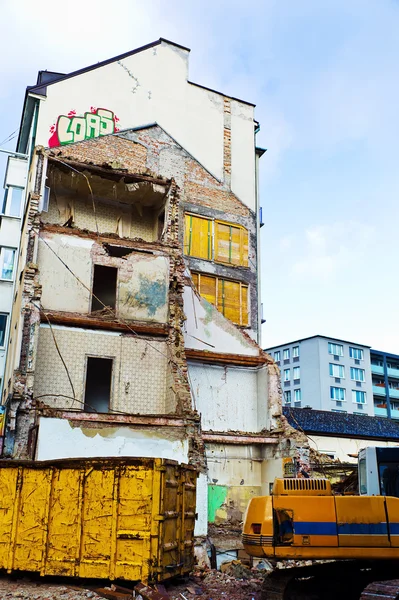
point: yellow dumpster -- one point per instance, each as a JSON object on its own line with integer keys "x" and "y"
{"x": 130, "y": 518}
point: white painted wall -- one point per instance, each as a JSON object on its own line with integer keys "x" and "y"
{"x": 58, "y": 438}
{"x": 61, "y": 290}
{"x": 242, "y": 158}
{"x": 227, "y": 397}
{"x": 207, "y": 329}
{"x": 151, "y": 86}
{"x": 201, "y": 524}
{"x": 233, "y": 464}
{"x": 342, "y": 448}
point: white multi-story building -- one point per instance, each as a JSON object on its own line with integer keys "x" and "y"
{"x": 10, "y": 231}
{"x": 326, "y": 374}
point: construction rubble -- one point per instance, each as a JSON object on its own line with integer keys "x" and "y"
{"x": 235, "y": 581}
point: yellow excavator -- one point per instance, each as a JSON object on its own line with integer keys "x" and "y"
{"x": 349, "y": 544}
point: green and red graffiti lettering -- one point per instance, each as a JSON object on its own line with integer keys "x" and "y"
{"x": 72, "y": 128}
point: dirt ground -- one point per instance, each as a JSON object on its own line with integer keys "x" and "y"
{"x": 236, "y": 583}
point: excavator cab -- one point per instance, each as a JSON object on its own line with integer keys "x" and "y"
{"x": 379, "y": 472}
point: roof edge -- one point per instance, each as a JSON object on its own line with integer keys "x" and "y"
{"x": 221, "y": 93}
{"x": 311, "y": 337}
{"x": 108, "y": 61}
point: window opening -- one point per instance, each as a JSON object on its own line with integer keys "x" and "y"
{"x": 104, "y": 287}
{"x": 3, "y": 325}
{"x": 7, "y": 259}
{"x": 12, "y": 201}
{"x": 98, "y": 384}
{"x": 160, "y": 224}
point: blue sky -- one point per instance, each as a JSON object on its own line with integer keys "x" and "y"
{"x": 324, "y": 78}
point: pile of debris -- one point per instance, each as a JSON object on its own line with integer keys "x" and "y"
{"x": 235, "y": 581}
{"x": 26, "y": 589}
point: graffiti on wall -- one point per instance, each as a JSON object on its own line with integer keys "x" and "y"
{"x": 72, "y": 128}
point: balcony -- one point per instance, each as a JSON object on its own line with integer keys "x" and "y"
{"x": 377, "y": 370}
{"x": 382, "y": 412}
{"x": 379, "y": 390}
{"x": 393, "y": 392}
{"x": 393, "y": 373}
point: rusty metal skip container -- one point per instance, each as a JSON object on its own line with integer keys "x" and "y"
{"x": 128, "y": 518}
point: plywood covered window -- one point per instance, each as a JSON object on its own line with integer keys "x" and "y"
{"x": 198, "y": 237}
{"x": 231, "y": 244}
{"x": 216, "y": 240}
{"x": 229, "y": 297}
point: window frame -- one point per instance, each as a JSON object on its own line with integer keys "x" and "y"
{"x": 362, "y": 394}
{"x": 277, "y": 356}
{"x": 287, "y": 378}
{"x": 243, "y": 288}
{"x": 341, "y": 389}
{"x": 287, "y": 394}
{"x": 243, "y": 231}
{"x": 340, "y": 368}
{"x": 353, "y": 351}
{"x": 188, "y": 236}
{"x": 297, "y": 393}
{"x": 353, "y": 378}
{"x": 213, "y": 240}
{"x": 333, "y": 344}
{"x": 7, "y": 201}
{"x": 4, "y": 331}
{"x": 295, "y": 352}
{"x": 14, "y": 250}
{"x": 286, "y": 354}
{"x": 296, "y": 370}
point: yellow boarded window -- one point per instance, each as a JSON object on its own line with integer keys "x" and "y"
{"x": 230, "y": 297}
{"x": 198, "y": 237}
{"x": 207, "y": 286}
{"x": 231, "y": 244}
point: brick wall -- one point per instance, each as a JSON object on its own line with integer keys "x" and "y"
{"x": 113, "y": 150}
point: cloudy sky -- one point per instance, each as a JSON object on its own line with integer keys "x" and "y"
{"x": 324, "y": 77}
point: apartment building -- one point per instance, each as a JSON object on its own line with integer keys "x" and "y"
{"x": 12, "y": 206}
{"x": 135, "y": 321}
{"x": 385, "y": 380}
{"x": 326, "y": 374}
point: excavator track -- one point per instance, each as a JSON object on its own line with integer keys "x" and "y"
{"x": 381, "y": 590}
{"x": 348, "y": 580}
{"x": 320, "y": 581}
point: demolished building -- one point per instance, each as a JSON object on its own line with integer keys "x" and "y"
{"x": 136, "y": 321}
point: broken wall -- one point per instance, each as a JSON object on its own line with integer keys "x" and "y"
{"x": 207, "y": 329}
{"x": 227, "y": 397}
{"x": 234, "y": 477}
{"x": 68, "y": 438}
{"x": 136, "y": 362}
{"x": 142, "y": 284}
{"x": 121, "y": 219}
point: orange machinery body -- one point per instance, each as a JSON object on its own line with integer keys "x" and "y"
{"x": 303, "y": 520}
